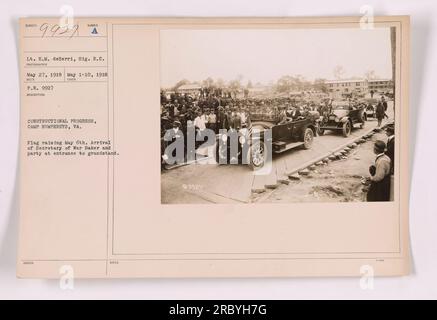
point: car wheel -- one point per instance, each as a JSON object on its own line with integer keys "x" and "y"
{"x": 308, "y": 138}
{"x": 347, "y": 128}
{"x": 257, "y": 155}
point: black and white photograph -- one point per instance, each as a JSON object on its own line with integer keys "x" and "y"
{"x": 277, "y": 115}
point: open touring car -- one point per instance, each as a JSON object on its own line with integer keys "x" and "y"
{"x": 343, "y": 117}
{"x": 253, "y": 145}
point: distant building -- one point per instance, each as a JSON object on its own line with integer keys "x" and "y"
{"x": 359, "y": 85}
{"x": 347, "y": 86}
{"x": 380, "y": 85}
{"x": 189, "y": 89}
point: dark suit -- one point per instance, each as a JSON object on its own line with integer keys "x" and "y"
{"x": 380, "y": 112}
{"x": 385, "y": 109}
{"x": 236, "y": 121}
{"x": 391, "y": 152}
{"x": 227, "y": 121}
{"x": 379, "y": 189}
{"x": 221, "y": 119}
{"x": 296, "y": 114}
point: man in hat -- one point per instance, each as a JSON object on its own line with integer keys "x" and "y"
{"x": 245, "y": 117}
{"x": 166, "y": 122}
{"x": 176, "y": 137}
{"x": 380, "y": 112}
{"x": 282, "y": 119}
{"x": 221, "y": 115}
{"x": 200, "y": 120}
{"x": 226, "y": 119}
{"x": 235, "y": 119}
{"x": 206, "y": 117}
{"x": 390, "y": 131}
{"x": 295, "y": 113}
{"x": 200, "y": 124}
{"x": 212, "y": 121}
{"x": 384, "y": 103}
{"x": 379, "y": 189}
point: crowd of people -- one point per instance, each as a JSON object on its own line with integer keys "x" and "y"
{"x": 217, "y": 109}
{"x": 210, "y": 110}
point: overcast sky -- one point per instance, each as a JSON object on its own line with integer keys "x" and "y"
{"x": 266, "y": 55}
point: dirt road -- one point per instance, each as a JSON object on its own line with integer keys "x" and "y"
{"x": 337, "y": 181}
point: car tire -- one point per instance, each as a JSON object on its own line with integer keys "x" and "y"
{"x": 361, "y": 116}
{"x": 347, "y": 129}
{"x": 308, "y": 137}
{"x": 256, "y": 155}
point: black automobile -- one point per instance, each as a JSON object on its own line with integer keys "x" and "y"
{"x": 252, "y": 146}
{"x": 370, "y": 107}
{"x": 343, "y": 116}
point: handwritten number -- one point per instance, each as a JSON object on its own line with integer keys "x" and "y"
{"x": 57, "y": 30}
{"x": 75, "y": 30}
{"x": 54, "y": 29}
{"x": 44, "y": 28}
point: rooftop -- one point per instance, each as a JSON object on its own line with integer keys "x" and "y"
{"x": 345, "y": 80}
{"x": 190, "y": 87}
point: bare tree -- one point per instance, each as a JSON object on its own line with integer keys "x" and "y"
{"x": 320, "y": 85}
{"x": 181, "y": 83}
{"x": 370, "y": 74}
{"x": 220, "y": 83}
{"x": 338, "y": 72}
{"x": 209, "y": 82}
